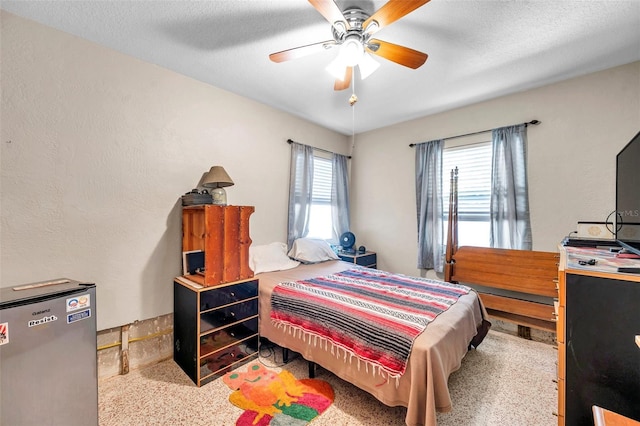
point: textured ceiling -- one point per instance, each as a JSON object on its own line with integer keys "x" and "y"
{"x": 477, "y": 50}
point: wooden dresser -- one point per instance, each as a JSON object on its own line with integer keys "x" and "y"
{"x": 597, "y": 328}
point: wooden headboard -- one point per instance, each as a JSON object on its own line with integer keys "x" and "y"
{"x": 528, "y": 273}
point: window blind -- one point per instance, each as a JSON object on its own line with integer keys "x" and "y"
{"x": 474, "y": 180}
{"x": 322, "y": 176}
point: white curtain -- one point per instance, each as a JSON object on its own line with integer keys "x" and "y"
{"x": 340, "y": 196}
{"x": 300, "y": 191}
{"x": 510, "y": 221}
{"x": 429, "y": 205}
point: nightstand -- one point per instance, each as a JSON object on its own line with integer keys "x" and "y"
{"x": 368, "y": 258}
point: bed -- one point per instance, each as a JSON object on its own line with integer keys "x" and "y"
{"x": 438, "y": 350}
{"x": 435, "y": 354}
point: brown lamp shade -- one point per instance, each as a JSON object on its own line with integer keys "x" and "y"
{"x": 217, "y": 177}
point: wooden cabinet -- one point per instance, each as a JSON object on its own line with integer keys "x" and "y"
{"x": 215, "y": 328}
{"x": 598, "y": 319}
{"x": 368, "y": 258}
{"x": 222, "y": 232}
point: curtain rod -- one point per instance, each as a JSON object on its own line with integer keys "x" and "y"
{"x": 289, "y": 141}
{"x": 534, "y": 122}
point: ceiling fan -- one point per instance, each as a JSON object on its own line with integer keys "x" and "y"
{"x": 352, "y": 31}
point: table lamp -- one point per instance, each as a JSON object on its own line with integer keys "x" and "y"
{"x": 215, "y": 181}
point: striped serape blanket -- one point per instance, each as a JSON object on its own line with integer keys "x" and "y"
{"x": 370, "y": 314}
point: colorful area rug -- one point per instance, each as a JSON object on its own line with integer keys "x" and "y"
{"x": 271, "y": 398}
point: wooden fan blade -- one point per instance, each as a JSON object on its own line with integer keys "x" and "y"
{"x": 344, "y": 84}
{"x": 396, "y": 53}
{"x": 330, "y": 10}
{"x": 299, "y": 52}
{"x": 391, "y": 12}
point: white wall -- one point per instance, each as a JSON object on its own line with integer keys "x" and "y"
{"x": 98, "y": 147}
{"x": 585, "y": 122}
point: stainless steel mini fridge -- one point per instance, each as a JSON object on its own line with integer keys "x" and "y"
{"x": 48, "y": 358}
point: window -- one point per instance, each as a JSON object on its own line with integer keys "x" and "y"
{"x": 318, "y": 194}
{"x": 320, "y": 220}
{"x": 474, "y": 191}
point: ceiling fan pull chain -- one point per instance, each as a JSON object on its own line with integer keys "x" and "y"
{"x": 353, "y": 120}
{"x": 354, "y": 98}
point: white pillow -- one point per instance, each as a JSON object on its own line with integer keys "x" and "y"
{"x": 270, "y": 257}
{"x": 308, "y": 250}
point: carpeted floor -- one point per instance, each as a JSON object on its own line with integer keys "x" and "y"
{"x": 506, "y": 381}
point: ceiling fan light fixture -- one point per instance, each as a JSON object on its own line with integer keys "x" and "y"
{"x": 337, "y": 68}
{"x": 351, "y": 51}
{"x": 352, "y": 30}
{"x": 367, "y": 66}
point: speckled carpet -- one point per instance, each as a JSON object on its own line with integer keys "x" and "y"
{"x": 506, "y": 381}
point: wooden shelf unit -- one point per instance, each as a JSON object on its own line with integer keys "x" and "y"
{"x": 222, "y": 232}
{"x": 215, "y": 324}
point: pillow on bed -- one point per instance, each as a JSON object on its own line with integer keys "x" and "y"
{"x": 270, "y": 257}
{"x": 308, "y": 250}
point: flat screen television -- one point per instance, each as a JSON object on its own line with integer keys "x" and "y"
{"x": 628, "y": 196}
